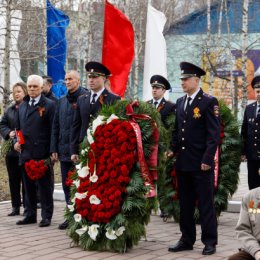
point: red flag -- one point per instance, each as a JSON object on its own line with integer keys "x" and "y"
{"x": 19, "y": 136}
{"x": 118, "y": 47}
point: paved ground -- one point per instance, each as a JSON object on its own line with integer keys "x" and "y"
{"x": 32, "y": 242}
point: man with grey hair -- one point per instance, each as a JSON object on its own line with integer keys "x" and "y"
{"x": 35, "y": 116}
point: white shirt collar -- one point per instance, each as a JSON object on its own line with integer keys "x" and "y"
{"x": 37, "y": 99}
{"x": 98, "y": 93}
{"x": 158, "y": 101}
{"x": 193, "y": 95}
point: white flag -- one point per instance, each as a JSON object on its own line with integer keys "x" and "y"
{"x": 155, "y": 50}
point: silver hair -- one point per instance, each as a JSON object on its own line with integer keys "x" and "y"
{"x": 37, "y": 78}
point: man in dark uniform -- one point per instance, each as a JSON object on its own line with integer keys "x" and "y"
{"x": 88, "y": 105}
{"x": 250, "y": 133}
{"x": 159, "y": 86}
{"x": 35, "y": 116}
{"x": 60, "y": 138}
{"x": 195, "y": 139}
{"x": 46, "y": 88}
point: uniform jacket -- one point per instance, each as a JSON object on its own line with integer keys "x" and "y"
{"x": 165, "y": 108}
{"x": 196, "y": 134}
{"x": 7, "y": 124}
{"x": 250, "y": 133}
{"x": 83, "y": 115}
{"x": 248, "y": 226}
{"x": 35, "y": 124}
{"x": 60, "y": 138}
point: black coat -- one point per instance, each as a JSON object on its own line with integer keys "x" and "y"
{"x": 196, "y": 134}
{"x": 60, "y": 138}
{"x": 7, "y": 124}
{"x": 165, "y": 108}
{"x": 83, "y": 115}
{"x": 51, "y": 96}
{"x": 250, "y": 133}
{"x": 36, "y": 128}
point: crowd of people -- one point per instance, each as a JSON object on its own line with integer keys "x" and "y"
{"x": 52, "y": 129}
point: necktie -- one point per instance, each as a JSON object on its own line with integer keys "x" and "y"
{"x": 258, "y": 112}
{"x": 188, "y": 105}
{"x": 32, "y": 102}
{"x": 155, "y": 104}
{"x": 93, "y": 101}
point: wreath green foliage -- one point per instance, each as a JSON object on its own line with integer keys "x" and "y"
{"x": 136, "y": 208}
{"x": 229, "y": 163}
{"x": 6, "y": 147}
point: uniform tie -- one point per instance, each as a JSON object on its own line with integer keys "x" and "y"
{"x": 155, "y": 104}
{"x": 93, "y": 101}
{"x": 188, "y": 105}
{"x": 258, "y": 112}
{"x": 32, "y": 102}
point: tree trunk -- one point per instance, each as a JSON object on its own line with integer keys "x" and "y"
{"x": 244, "y": 54}
{"x": 6, "y": 90}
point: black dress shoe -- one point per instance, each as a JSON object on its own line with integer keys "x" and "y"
{"x": 180, "y": 246}
{"x": 64, "y": 225}
{"x": 26, "y": 220}
{"x": 44, "y": 223}
{"x": 209, "y": 250}
{"x": 14, "y": 212}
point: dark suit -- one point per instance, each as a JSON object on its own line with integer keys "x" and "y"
{"x": 195, "y": 139}
{"x": 36, "y": 129}
{"x": 250, "y": 133}
{"x": 83, "y": 115}
{"x": 165, "y": 108}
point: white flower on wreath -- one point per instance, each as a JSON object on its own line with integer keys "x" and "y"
{"x": 111, "y": 234}
{"x": 71, "y": 207}
{"x": 93, "y": 178}
{"x": 77, "y": 217}
{"x": 84, "y": 151}
{"x": 76, "y": 183}
{"x": 83, "y": 172}
{"x": 93, "y": 231}
{"x": 93, "y": 199}
{"x": 90, "y": 136}
{"x": 111, "y": 118}
{"x": 97, "y": 122}
{"x": 120, "y": 231}
{"x": 82, "y": 230}
{"x": 78, "y": 166}
{"x": 81, "y": 196}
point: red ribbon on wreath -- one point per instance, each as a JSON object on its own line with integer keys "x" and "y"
{"x": 148, "y": 175}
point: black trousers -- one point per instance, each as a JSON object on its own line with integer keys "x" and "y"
{"x": 45, "y": 189}
{"x": 253, "y": 175}
{"x": 197, "y": 186}
{"x": 15, "y": 180}
{"x": 65, "y": 168}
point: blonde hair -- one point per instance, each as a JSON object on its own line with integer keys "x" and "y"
{"x": 23, "y": 87}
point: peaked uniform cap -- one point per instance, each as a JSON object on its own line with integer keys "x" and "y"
{"x": 256, "y": 82}
{"x": 97, "y": 68}
{"x": 190, "y": 70}
{"x": 158, "y": 80}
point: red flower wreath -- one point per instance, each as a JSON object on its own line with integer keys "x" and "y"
{"x": 111, "y": 158}
{"x": 35, "y": 169}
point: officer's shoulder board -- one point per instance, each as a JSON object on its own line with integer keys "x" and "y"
{"x": 207, "y": 95}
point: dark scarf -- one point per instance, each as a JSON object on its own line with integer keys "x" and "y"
{"x": 72, "y": 97}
